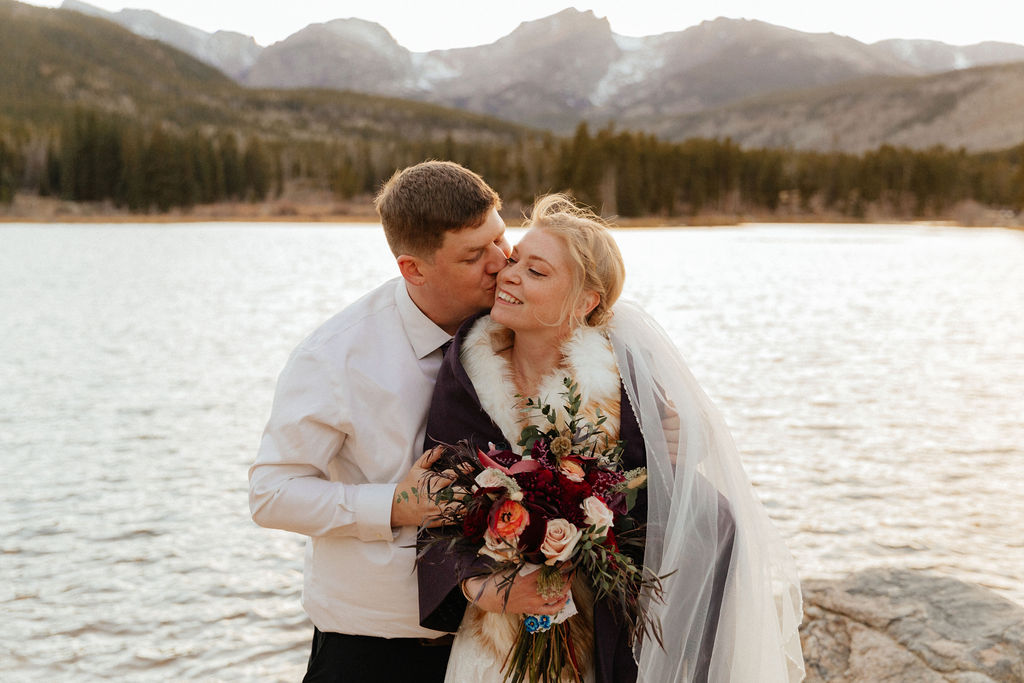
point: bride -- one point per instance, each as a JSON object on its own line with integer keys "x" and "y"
{"x": 731, "y": 603}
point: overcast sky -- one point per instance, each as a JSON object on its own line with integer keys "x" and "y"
{"x": 422, "y": 25}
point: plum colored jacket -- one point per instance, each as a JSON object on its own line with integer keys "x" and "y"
{"x": 455, "y": 415}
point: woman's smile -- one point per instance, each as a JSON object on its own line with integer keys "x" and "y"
{"x": 507, "y": 298}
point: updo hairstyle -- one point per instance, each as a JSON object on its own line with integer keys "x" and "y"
{"x": 596, "y": 259}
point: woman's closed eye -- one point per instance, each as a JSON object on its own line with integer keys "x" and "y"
{"x": 511, "y": 260}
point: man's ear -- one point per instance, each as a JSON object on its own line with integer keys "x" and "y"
{"x": 409, "y": 267}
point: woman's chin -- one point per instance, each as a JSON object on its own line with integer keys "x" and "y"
{"x": 498, "y": 313}
{"x": 502, "y": 314}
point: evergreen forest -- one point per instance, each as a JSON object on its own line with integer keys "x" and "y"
{"x": 90, "y": 112}
{"x": 97, "y": 157}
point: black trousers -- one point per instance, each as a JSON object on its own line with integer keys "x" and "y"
{"x": 343, "y": 658}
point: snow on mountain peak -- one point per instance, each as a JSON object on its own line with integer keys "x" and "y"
{"x": 636, "y": 62}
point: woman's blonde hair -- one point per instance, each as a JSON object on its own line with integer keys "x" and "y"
{"x": 597, "y": 261}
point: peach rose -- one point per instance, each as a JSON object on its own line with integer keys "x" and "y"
{"x": 560, "y": 539}
{"x": 596, "y": 513}
{"x": 509, "y": 519}
{"x": 572, "y": 470}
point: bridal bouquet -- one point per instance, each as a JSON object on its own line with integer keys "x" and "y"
{"x": 562, "y": 507}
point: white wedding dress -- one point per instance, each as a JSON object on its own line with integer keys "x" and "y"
{"x": 693, "y": 467}
{"x": 484, "y": 639}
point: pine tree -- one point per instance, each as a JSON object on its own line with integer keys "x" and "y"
{"x": 231, "y": 161}
{"x": 131, "y": 189}
{"x": 165, "y": 173}
{"x": 258, "y": 170}
{"x": 8, "y": 172}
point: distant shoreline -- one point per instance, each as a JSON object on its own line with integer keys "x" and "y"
{"x": 48, "y": 210}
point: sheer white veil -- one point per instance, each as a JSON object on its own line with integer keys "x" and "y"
{"x": 697, "y": 491}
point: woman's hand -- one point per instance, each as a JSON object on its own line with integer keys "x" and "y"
{"x": 523, "y": 597}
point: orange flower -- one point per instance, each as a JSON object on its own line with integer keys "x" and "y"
{"x": 508, "y": 519}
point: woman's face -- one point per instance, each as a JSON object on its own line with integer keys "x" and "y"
{"x": 532, "y": 288}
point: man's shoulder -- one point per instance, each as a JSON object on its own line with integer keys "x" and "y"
{"x": 352, "y": 323}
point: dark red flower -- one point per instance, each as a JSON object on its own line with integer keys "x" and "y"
{"x": 616, "y": 503}
{"x": 570, "y": 495}
{"x": 533, "y": 534}
{"x": 540, "y": 453}
{"x": 609, "y": 540}
{"x": 505, "y": 458}
{"x": 602, "y": 480}
{"x": 474, "y": 524}
{"x": 535, "y": 480}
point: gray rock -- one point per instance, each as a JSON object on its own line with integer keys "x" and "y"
{"x": 897, "y": 625}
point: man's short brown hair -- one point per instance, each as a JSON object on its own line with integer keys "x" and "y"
{"x": 419, "y": 204}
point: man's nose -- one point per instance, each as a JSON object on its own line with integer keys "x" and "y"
{"x": 498, "y": 256}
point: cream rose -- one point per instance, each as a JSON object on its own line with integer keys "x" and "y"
{"x": 490, "y": 478}
{"x": 596, "y": 513}
{"x": 498, "y": 548}
{"x": 560, "y": 539}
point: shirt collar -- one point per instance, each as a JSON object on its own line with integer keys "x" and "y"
{"x": 424, "y": 334}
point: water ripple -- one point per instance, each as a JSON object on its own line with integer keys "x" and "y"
{"x": 873, "y": 379}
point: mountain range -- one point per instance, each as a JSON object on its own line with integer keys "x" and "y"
{"x": 758, "y": 83}
{"x": 55, "y": 61}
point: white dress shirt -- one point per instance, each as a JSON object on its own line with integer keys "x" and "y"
{"x": 347, "y": 422}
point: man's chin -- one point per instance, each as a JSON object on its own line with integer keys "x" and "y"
{"x": 484, "y": 305}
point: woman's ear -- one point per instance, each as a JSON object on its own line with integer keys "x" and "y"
{"x": 410, "y": 268}
{"x": 588, "y": 302}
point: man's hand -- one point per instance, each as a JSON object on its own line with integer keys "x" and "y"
{"x": 523, "y": 597}
{"x": 412, "y": 506}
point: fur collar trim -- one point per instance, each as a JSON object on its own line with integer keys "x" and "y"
{"x": 589, "y": 360}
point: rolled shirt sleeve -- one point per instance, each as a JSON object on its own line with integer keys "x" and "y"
{"x": 290, "y": 483}
{"x": 347, "y": 422}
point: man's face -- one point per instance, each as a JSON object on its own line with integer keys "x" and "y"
{"x": 461, "y": 275}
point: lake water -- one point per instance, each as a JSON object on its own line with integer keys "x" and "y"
{"x": 873, "y": 377}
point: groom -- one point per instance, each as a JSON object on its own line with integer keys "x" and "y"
{"x": 338, "y": 459}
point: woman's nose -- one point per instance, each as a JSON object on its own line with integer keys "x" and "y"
{"x": 509, "y": 272}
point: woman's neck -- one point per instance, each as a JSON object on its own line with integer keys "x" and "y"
{"x": 533, "y": 357}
